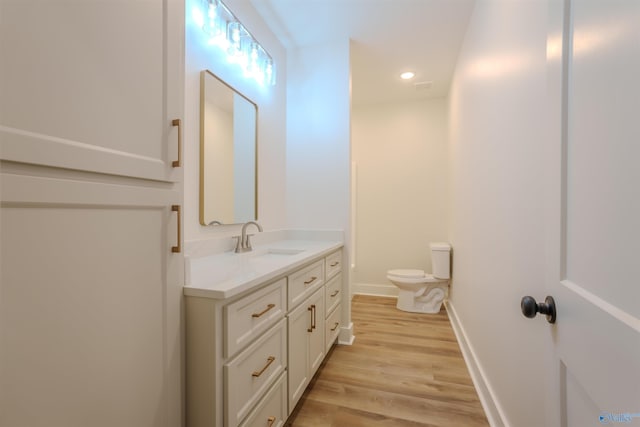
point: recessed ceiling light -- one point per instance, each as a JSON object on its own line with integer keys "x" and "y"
{"x": 407, "y": 75}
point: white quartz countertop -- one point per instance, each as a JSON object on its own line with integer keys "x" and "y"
{"x": 224, "y": 275}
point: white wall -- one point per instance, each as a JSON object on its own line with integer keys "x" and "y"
{"x": 401, "y": 155}
{"x": 318, "y": 136}
{"x": 271, "y": 101}
{"x": 497, "y": 112}
{"x": 319, "y": 146}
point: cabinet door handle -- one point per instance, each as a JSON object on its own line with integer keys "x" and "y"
{"x": 269, "y": 307}
{"x": 335, "y": 326}
{"x": 313, "y": 325}
{"x": 310, "y": 310}
{"x": 270, "y": 421}
{"x": 178, "y": 122}
{"x": 270, "y": 360}
{"x": 334, "y": 294}
{"x": 177, "y": 249}
{"x": 334, "y": 264}
{"x": 308, "y": 282}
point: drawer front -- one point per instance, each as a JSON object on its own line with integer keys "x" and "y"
{"x": 271, "y": 411}
{"x": 333, "y": 294}
{"x": 248, "y": 317}
{"x": 332, "y": 327}
{"x": 333, "y": 264}
{"x": 248, "y": 377}
{"x": 304, "y": 282}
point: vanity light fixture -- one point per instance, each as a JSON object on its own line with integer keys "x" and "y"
{"x": 227, "y": 32}
{"x": 407, "y": 75}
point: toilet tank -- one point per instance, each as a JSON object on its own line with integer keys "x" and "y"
{"x": 441, "y": 260}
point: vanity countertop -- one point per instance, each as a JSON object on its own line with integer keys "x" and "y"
{"x": 226, "y": 274}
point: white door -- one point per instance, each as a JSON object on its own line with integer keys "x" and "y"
{"x": 594, "y": 212}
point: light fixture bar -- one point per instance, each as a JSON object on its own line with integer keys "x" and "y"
{"x": 227, "y": 32}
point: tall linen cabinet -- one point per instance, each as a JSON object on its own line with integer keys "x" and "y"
{"x": 91, "y": 102}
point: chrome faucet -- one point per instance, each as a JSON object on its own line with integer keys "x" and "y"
{"x": 243, "y": 243}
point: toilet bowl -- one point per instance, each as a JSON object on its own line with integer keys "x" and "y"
{"x": 419, "y": 292}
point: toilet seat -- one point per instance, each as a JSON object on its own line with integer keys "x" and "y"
{"x": 412, "y": 276}
{"x": 408, "y": 273}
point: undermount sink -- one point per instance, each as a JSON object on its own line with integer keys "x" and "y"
{"x": 271, "y": 256}
{"x": 283, "y": 251}
{"x": 275, "y": 253}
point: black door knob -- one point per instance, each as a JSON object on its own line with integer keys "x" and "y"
{"x": 530, "y": 308}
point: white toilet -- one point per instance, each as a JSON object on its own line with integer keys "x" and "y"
{"x": 420, "y": 292}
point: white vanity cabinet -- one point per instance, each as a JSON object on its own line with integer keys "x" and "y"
{"x": 250, "y": 356}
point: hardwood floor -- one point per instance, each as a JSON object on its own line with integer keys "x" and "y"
{"x": 404, "y": 369}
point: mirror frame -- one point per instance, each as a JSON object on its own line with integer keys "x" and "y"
{"x": 203, "y": 76}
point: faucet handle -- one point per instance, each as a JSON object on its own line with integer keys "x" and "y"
{"x": 247, "y": 243}
{"x": 239, "y": 245}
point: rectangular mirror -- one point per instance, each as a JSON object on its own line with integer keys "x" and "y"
{"x": 228, "y": 148}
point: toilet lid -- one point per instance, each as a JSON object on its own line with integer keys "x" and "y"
{"x": 409, "y": 274}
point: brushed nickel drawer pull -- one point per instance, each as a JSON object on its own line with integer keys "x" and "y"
{"x": 270, "y": 360}
{"x": 313, "y": 279}
{"x": 270, "y": 421}
{"x": 178, "y": 163}
{"x": 269, "y": 307}
{"x": 334, "y": 264}
{"x": 335, "y": 326}
{"x": 310, "y": 310}
{"x": 177, "y": 249}
{"x": 334, "y": 294}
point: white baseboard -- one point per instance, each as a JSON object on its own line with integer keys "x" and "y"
{"x": 346, "y": 337}
{"x": 492, "y": 408}
{"x": 371, "y": 289}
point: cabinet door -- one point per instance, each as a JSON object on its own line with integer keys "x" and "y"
{"x": 93, "y": 85}
{"x": 90, "y": 304}
{"x": 316, "y": 338}
{"x": 306, "y": 344}
{"x": 300, "y": 322}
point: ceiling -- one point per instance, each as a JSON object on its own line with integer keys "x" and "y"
{"x": 389, "y": 37}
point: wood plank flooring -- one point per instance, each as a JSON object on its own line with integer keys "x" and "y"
{"x": 404, "y": 369}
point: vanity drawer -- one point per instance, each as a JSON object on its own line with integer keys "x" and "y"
{"x": 248, "y": 317}
{"x": 333, "y": 263}
{"x": 332, "y": 327}
{"x": 333, "y": 294}
{"x": 304, "y": 282}
{"x": 252, "y": 372}
{"x": 271, "y": 411}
